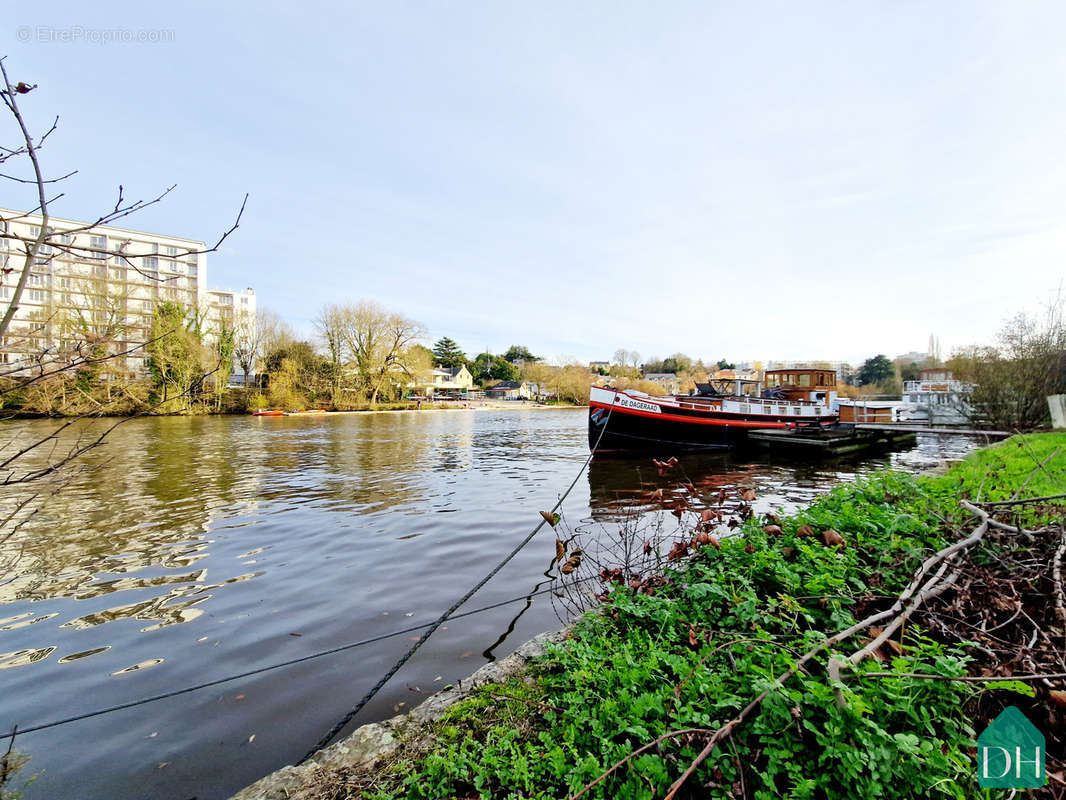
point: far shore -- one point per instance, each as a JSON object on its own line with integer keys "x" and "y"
{"x": 477, "y": 405}
{"x": 386, "y": 408}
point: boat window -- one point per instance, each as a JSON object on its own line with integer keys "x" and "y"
{"x": 804, "y": 380}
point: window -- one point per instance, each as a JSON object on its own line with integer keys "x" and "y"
{"x": 150, "y": 262}
{"x": 64, "y": 283}
{"x": 36, "y": 295}
{"x": 5, "y": 292}
{"x": 146, "y": 305}
{"x": 118, "y": 274}
{"x": 171, "y": 251}
{"x": 192, "y": 270}
{"x": 244, "y": 301}
{"x": 804, "y": 380}
{"x": 100, "y": 271}
{"x": 98, "y": 242}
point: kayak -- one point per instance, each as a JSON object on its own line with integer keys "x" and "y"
{"x": 262, "y": 413}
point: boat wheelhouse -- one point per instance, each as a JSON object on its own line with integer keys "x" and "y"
{"x": 625, "y": 420}
{"x": 937, "y": 397}
{"x": 814, "y": 385}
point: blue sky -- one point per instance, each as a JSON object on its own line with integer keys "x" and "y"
{"x": 741, "y": 180}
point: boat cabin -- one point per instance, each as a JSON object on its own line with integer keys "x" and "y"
{"x": 814, "y": 385}
{"x": 736, "y": 387}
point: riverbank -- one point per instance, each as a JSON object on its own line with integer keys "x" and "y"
{"x": 732, "y": 660}
{"x": 239, "y": 409}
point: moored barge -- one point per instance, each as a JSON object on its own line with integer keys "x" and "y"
{"x": 626, "y": 420}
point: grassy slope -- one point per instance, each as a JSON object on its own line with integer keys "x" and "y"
{"x": 697, "y": 650}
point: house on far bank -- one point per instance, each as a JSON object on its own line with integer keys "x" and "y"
{"x": 595, "y": 366}
{"x": 510, "y": 390}
{"x": 455, "y": 379}
{"x": 667, "y": 380}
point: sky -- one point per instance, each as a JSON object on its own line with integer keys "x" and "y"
{"x": 818, "y": 180}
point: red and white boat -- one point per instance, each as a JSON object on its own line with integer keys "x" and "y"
{"x": 624, "y": 419}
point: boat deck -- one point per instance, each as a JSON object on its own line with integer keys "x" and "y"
{"x": 829, "y": 441}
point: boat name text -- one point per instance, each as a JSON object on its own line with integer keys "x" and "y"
{"x": 627, "y": 402}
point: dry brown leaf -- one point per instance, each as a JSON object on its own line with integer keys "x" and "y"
{"x": 833, "y": 539}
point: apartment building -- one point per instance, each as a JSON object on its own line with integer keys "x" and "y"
{"x": 102, "y": 281}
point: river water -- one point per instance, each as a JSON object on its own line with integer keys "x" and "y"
{"x": 188, "y": 549}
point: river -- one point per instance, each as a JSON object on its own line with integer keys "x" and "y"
{"x": 189, "y": 549}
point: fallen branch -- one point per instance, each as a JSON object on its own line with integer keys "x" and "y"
{"x": 1056, "y": 573}
{"x": 637, "y": 752}
{"x": 1023, "y": 502}
{"x": 528, "y": 700}
{"x": 965, "y": 678}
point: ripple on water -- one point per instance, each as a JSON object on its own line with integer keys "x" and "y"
{"x": 83, "y": 654}
{"x": 21, "y": 658}
{"x": 141, "y": 665}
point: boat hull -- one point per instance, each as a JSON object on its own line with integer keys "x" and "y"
{"x": 627, "y": 433}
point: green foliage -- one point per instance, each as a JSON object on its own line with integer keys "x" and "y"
{"x": 504, "y": 370}
{"x": 517, "y": 352}
{"x": 876, "y": 370}
{"x": 481, "y": 367}
{"x": 719, "y": 632}
{"x": 177, "y": 357}
{"x": 448, "y": 354}
{"x": 910, "y": 371}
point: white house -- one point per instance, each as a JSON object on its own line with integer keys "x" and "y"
{"x": 442, "y": 379}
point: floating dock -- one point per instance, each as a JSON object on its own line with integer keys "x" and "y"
{"x": 837, "y": 440}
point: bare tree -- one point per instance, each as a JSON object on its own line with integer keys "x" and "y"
{"x": 331, "y": 324}
{"x": 247, "y": 343}
{"x": 377, "y": 344}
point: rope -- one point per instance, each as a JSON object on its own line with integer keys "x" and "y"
{"x": 325, "y": 740}
{"x": 260, "y": 670}
{"x": 449, "y": 614}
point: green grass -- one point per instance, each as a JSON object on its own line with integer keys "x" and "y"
{"x": 702, "y": 647}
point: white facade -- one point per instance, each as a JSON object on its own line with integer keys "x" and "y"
{"x": 101, "y": 281}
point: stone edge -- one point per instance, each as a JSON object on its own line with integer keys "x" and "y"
{"x": 378, "y": 739}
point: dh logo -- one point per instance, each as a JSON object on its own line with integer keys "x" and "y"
{"x": 1010, "y": 753}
